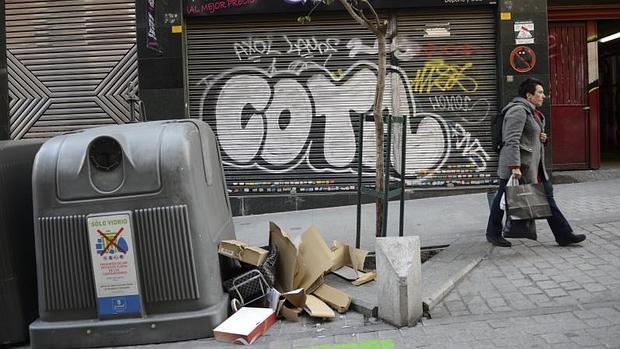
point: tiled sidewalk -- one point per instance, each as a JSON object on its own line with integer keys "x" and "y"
{"x": 537, "y": 293}
{"x": 533, "y": 295}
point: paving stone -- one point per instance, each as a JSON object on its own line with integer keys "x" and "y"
{"x": 610, "y": 314}
{"x": 594, "y": 287}
{"x": 598, "y": 322}
{"x": 585, "y": 314}
{"x": 555, "y": 338}
{"x": 539, "y": 299}
{"x": 580, "y": 294}
{"x": 539, "y": 277}
{"x": 570, "y": 286}
{"x": 530, "y": 290}
{"x": 560, "y": 278}
{"x": 584, "y": 340}
{"x": 555, "y": 292}
{"x": 546, "y": 284}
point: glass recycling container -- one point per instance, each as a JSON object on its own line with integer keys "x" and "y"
{"x": 127, "y": 222}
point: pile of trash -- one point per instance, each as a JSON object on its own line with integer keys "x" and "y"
{"x": 286, "y": 279}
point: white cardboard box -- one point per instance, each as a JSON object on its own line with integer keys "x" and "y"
{"x": 245, "y": 326}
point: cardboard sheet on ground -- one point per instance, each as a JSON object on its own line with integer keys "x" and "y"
{"x": 333, "y": 297}
{"x": 317, "y": 308}
{"x": 348, "y": 263}
{"x": 364, "y": 278}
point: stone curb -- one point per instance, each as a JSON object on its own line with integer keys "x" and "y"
{"x": 442, "y": 272}
{"x": 439, "y": 276}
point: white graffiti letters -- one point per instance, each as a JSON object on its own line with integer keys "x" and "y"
{"x": 287, "y": 123}
{"x": 470, "y": 148}
{"x": 254, "y": 49}
{"x": 308, "y": 48}
{"x": 240, "y": 118}
{"x": 266, "y": 120}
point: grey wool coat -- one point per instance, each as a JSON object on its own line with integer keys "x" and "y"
{"x": 522, "y": 146}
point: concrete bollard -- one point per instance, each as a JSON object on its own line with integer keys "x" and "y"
{"x": 399, "y": 279}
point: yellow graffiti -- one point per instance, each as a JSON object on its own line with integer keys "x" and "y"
{"x": 337, "y": 74}
{"x": 437, "y": 74}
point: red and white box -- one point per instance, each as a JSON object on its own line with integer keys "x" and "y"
{"x": 245, "y": 326}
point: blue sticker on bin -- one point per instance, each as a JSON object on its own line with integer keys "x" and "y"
{"x": 118, "y": 305}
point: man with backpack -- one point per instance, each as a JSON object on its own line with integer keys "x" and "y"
{"x": 521, "y": 154}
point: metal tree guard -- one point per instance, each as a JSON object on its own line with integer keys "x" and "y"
{"x": 387, "y": 193}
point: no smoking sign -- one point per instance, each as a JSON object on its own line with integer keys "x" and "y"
{"x": 522, "y": 59}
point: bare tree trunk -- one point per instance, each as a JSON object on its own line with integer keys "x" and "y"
{"x": 379, "y": 131}
{"x": 379, "y": 28}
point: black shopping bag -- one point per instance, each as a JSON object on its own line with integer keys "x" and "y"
{"x": 527, "y": 201}
{"x": 523, "y": 229}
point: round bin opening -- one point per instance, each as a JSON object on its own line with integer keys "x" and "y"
{"x": 105, "y": 154}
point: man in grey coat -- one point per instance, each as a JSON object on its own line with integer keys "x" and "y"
{"x": 523, "y": 156}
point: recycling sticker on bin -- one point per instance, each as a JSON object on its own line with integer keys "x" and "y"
{"x": 114, "y": 264}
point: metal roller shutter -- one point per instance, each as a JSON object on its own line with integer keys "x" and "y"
{"x": 70, "y": 64}
{"x": 283, "y": 99}
{"x": 450, "y": 59}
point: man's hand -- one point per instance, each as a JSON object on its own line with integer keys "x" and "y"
{"x": 516, "y": 172}
{"x": 543, "y": 137}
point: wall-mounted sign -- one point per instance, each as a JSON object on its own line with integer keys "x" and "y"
{"x": 198, "y": 8}
{"x": 151, "y": 33}
{"x": 114, "y": 264}
{"x": 437, "y": 30}
{"x": 524, "y": 32}
{"x": 522, "y": 59}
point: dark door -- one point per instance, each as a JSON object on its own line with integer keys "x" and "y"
{"x": 569, "y": 109}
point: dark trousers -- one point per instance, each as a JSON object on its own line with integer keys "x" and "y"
{"x": 557, "y": 222}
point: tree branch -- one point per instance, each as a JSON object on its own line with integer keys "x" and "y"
{"x": 374, "y": 13}
{"x": 361, "y": 19}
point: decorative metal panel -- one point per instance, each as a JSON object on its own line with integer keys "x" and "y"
{"x": 284, "y": 99}
{"x": 68, "y": 282}
{"x": 163, "y": 239}
{"x": 70, "y": 64}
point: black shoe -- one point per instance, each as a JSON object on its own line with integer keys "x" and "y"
{"x": 498, "y": 241}
{"x": 571, "y": 238}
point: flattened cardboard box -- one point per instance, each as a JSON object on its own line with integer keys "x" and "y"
{"x": 243, "y": 252}
{"x": 333, "y": 297}
{"x": 245, "y": 326}
{"x": 317, "y": 308}
{"x": 316, "y": 258}
{"x": 303, "y": 267}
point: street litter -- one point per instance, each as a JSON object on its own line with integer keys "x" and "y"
{"x": 288, "y": 275}
{"x": 333, "y": 297}
{"x": 246, "y": 288}
{"x": 349, "y": 264}
{"x": 289, "y": 304}
{"x": 245, "y": 326}
{"x": 302, "y": 264}
{"x": 243, "y": 252}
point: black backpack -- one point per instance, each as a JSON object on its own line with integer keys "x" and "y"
{"x": 496, "y": 131}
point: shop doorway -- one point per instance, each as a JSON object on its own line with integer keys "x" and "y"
{"x": 570, "y": 112}
{"x": 609, "y": 69}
